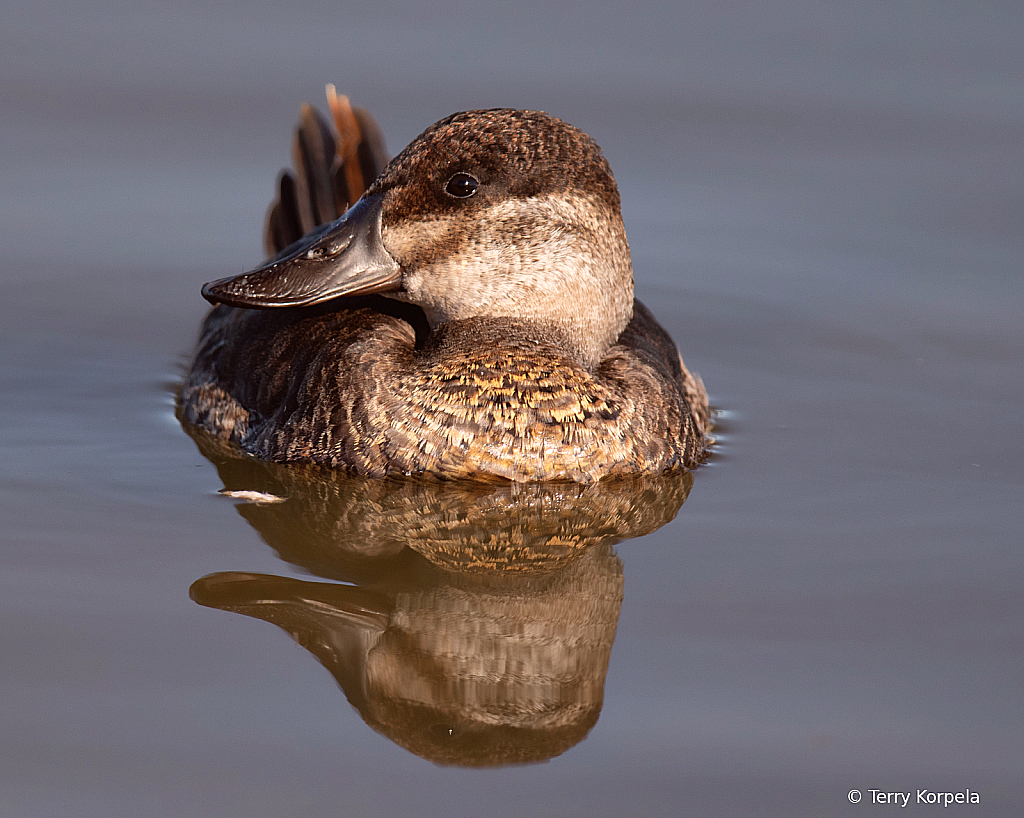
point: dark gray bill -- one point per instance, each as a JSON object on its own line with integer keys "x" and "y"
{"x": 345, "y": 257}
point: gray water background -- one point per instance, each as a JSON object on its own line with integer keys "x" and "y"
{"x": 824, "y": 203}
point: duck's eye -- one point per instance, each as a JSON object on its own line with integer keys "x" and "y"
{"x": 461, "y": 186}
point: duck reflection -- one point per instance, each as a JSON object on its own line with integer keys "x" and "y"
{"x": 477, "y": 620}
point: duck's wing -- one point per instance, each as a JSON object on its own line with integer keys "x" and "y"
{"x": 334, "y": 164}
{"x": 648, "y": 340}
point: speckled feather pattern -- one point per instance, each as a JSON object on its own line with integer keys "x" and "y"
{"x": 482, "y": 398}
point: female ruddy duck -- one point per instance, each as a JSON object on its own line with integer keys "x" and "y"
{"x": 470, "y": 316}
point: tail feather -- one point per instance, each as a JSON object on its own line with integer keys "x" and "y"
{"x": 283, "y": 225}
{"x": 333, "y": 168}
{"x": 373, "y": 156}
{"x": 313, "y": 151}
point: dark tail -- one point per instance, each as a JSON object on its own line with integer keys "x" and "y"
{"x": 333, "y": 167}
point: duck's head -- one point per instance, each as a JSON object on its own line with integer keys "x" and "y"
{"x": 498, "y": 213}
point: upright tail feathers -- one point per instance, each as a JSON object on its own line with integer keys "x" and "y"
{"x": 333, "y": 167}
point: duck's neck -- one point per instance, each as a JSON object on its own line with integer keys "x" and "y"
{"x": 517, "y": 338}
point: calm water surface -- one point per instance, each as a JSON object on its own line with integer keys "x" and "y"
{"x": 825, "y": 212}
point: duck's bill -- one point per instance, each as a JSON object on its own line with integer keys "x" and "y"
{"x": 345, "y": 257}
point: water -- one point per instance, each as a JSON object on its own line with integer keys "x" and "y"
{"x": 824, "y": 210}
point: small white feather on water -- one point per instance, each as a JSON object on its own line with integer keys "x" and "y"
{"x": 252, "y": 496}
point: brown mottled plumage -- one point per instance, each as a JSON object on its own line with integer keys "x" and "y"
{"x": 509, "y": 344}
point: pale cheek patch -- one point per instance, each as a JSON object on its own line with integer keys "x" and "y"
{"x": 547, "y": 258}
{"x": 409, "y": 240}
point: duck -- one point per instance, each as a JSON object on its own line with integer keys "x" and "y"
{"x": 464, "y": 311}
